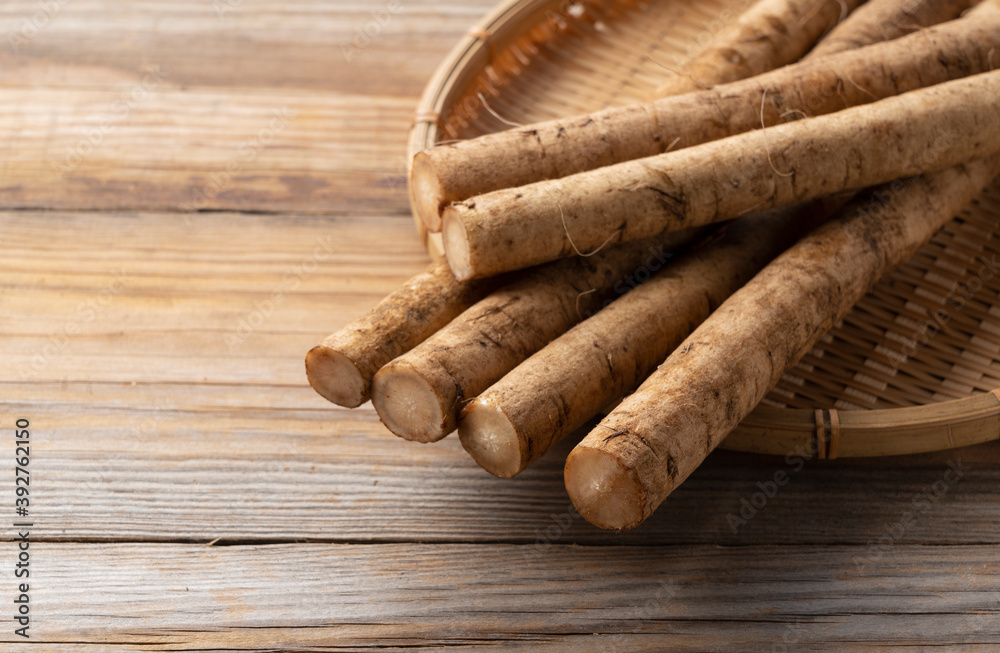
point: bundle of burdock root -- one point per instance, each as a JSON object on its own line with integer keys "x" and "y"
{"x": 681, "y": 253}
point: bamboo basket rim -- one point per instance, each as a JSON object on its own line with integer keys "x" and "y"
{"x": 819, "y": 433}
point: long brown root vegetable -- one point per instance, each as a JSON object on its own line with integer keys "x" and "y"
{"x": 771, "y": 34}
{"x": 341, "y": 368}
{"x": 624, "y": 468}
{"x": 924, "y": 130}
{"x": 884, "y": 20}
{"x": 558, "y": 148}
{"x": 555, "y": 391}
{"x": 418, "y": 396}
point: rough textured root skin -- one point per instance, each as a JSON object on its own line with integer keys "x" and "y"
{"x": 490, "y": 338}
{"x": 771, "y": 34}
{"x": 342, "y": 367}
{"x": 727, "y": 365}
{"x": 923, "y": 130}
{"x": 558, "y": 389}
{"x": 885, "y": 20}
{"x": 558, "y": 148}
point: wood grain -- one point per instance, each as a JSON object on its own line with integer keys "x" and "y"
{"x": 172, "y": 105}
{"x": 157, "y": 348}
{"x": 142, "y": 597}
{"x": 179, "y": 424}
{"x": 269, "y": 463}
{"x": 242, "y": 44}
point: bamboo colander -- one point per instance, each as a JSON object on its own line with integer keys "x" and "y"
{"x": 914, "y": 368}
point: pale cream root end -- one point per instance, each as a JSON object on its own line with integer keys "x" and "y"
{"x": 335, "y": 377}
{"x": 489, "y": 437}
{"x": 435, "y": 246}
{"x": 456, "y": 246}
{"x": 426, "y": 192}
{"x": 407, "y": 405}
{"x": 605, "y": 492}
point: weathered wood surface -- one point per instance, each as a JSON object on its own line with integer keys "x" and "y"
{"x": 181, "y": 408}
{"x": 166, "y": 105}
{"x": 158, "y": 353}
{"x": 468, "y": 597}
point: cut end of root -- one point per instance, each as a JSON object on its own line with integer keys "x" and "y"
{"x": 407, "y": 405}
{"x": 489, "y": 437}
{"x": 435, "y": 246}
{"x": 426, "y": 192}
{"x": 605, "y": 492}
{"x": 335, "y": 377}
{"x": 456, "y": 245}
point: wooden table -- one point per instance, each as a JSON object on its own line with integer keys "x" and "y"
{"x": 194, "y": 193}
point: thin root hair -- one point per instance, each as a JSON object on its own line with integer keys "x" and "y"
{"x": 493, "y": 113}
{"x": 585, "y": 292}
{"x": 767, "y": 146}
{"x": 562, "y": 216}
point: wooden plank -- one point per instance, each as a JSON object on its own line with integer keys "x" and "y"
{"x": 141, "y": 597}
{"x": 272, "y": 45}
{"x": 155, "y": 299}
{"x": 161, "y": 422}
{"x": 189, "y": 150}
{"x": 161, "y": 418}
{"x": 249, "y": 473}
{"x": 111, "y": 107}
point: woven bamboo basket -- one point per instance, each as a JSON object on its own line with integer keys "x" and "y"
{"x": 914, "y": 368}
